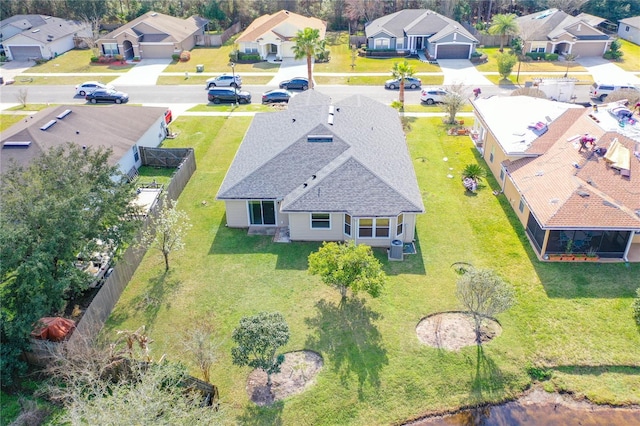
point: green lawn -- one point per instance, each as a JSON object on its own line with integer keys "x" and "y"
{"x": 631, "y": 59}
{"x": 255, "y": 106}
{"x": 572, "y": 318}
{"x": 66, "y": 80}
{"x": 530, "y": 66}
{"x": 359, "y": 80}
{"x": 216, "y": 59}
{"x": 75, "y": 61}
{"x": 496, "y": 79}
{"x": 8, "y": 120}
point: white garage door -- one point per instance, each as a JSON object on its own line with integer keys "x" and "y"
{"x": 23, "y": 53}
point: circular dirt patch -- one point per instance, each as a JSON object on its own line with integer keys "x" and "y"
{"x": 454, "y": 330}
{"x": 296, "y": 373}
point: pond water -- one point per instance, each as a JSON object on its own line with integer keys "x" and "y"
{"x": 543, "y": 410}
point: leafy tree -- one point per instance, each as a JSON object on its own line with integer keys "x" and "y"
{"x": 59, "y": 206}
{"x": 308, "y": 44}
{"x": 503, "y": 25}
{"x": 484, "y": 294}
{"x": 506, "y": 61}
{"x": 636, "y": 308}
{"x": 614, "y": 51}
{"x": 166, "y": 230}
{"x": 258, "y": 338}
{"x": 401, "y": 71}
{"x": 348, "y": 266}
{"x": 453, "y": 101}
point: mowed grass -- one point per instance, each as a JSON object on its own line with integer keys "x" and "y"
{"x": 32, "y": 80}
{"x": 528, "y": 66}
{"x": 572, "y": 318}
{"x": 496, "y": 79}
{"x": 77, "y": 61}
{"x": 631, "y": 59}
{"x": 201, "y": 79}
{"x": 361, "y": 80}
{"x": 216, "y": 59}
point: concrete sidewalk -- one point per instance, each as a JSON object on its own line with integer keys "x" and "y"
{"x": 145, "y": 73}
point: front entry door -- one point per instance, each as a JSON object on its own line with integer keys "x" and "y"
{"x": 262, "y": 212}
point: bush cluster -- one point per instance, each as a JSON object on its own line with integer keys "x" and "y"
{"x": 185, "y": 56}
{"x": 542, "y": 56}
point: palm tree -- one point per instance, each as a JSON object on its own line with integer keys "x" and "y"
{"x": 308, "y": 44}
{"x": 503, "y": 25}
{"x": 401, "y": 71}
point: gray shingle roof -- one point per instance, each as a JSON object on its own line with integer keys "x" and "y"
{"x": 552, "y": 23}
{"x": 365, "y": 170}
{"x": 416, "y": 22}
{"x": 47, "y": 28}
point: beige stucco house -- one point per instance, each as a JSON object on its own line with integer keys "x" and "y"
{"x": 273, "y": 34}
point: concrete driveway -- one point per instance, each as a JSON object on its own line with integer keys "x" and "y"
{"x": 604, "y": 71}
{"x": 290, "y": 68}
{"x": 145, "y": 73}
{"x": 462, "y": 71}
{"x": 11, "y": 69}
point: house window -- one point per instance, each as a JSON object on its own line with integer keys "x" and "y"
{"x": 521, "y": 205}
{"x": 382, "y": 43}
{"x": 110, "y": 49}
{"x": 502, "y": 174}
{"x": 493, "y": 148}
{"x": 373, "y": 228}
{"x": 400, "y": 224}
{"x": 538, "y": 48}
{"x": 136, "y": 155}
{"x": 347, "y": 224}
{"x": 626, "y": 28}
{"x": 262, "y": 212}
{"x": 320, "y": 221}
{"x": 251, "y": 48}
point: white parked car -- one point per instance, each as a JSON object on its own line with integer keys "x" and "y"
{"x": 91, "y": 86}
{"x": 431, "y": 95}
{"x": 224, "y": 80}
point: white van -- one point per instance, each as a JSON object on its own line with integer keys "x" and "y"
{"x": 601, "y": 91}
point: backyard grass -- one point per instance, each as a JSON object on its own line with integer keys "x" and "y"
{"x": 201, "y": 79}
{"x": 530, "y": 66}
{"x": 631, "y": 59}
{"x": 572, "y": 318}
{"x": 216, "y": 59}
{"x": 77, "y": 61}
{"x": 8, "y": 120}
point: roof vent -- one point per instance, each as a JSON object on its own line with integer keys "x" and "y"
{"x": 330, "y": 119}
{"x": 49, "y": 124}
{"x": 37, "y": 30}
{"x": 331, "y": 109}
{"x": 16, "y": 144}
{"x": 583, "y": 194}
{"x": 320, "y": 138}
{"x": 63, "y": 114}
{"x": 154, "y": 14}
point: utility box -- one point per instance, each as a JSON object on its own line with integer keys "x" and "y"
{"x": 199, "y": 68}
{"x": 396, "y": 250}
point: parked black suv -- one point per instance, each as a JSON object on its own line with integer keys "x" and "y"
{"x": 228, "y": 94}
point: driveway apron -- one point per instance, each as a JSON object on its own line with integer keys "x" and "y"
{"x": 462, "y": 71}
{"x": 11, "y": 69}
{"x": 290, "y": 68}
{"x": 604, "y": 71}
{"x": 145, "y": 73}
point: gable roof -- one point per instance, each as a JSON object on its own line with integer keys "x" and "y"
{"x": 41, "y": 28}
{"x": 158, "y": 27}
{"x": 365, "y": 170}
{"x": 86, "y": 125}
{"x": 553, "y": 23}
{"x": 632, "y": 22}
{"x": 274, "y": 24}
{"x": 417, "y": 22}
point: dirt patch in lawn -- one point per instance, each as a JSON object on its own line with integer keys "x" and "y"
{"x": 454, "y": 330}
{"x": 297, "y": 372}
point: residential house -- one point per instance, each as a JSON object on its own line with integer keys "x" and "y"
{"x": 122, "y": 128}
{"x": 29, "y": 37}
{"x": 153, "y": 36}
{"x": 327, "y": 172}
{"x": 554, "y": 31}
{"x": 629, "y": 29}
{"x": 272, "y": 35}
{"x": 416, "y": 30}
{"x": 571, "y": 174}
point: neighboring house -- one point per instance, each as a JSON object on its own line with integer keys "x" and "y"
{"x": 28, "y": 37}
{"x": 568, "y": 197}
{"x": 554, "y": 31}
{"x": 629, "y": 29}
{"x": 153, "y": 36}
{"x": 327, "y": 172}
{"x": 414, "y": 30}
{"x": 89, "y": 126}
{"x": 273, "y": 34}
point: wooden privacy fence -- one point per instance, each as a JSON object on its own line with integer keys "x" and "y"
{"x": 107, "y": 297}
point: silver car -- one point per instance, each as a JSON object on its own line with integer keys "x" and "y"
{"x": 91, "y": 86}
{"x": 224, "y": 80}
{"x": 431, "y": 95}
{"x": 409, "y": 83}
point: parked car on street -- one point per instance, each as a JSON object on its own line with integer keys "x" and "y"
{"x": 409, "y": 83}
{"x": 90, "y": 86}
{"x": 107, "y": 95}
{"x": 431, "y": 95}
{"x": 276, "y": 95}
{"x": 299, "y": 83}
{"x": 601, "y": 91}
{"x": 224, "y": 80}
{"x": 228, "y": 94}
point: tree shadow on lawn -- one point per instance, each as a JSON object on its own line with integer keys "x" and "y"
{"x": 295, "y": 255}
{"x": 347, "y": 332}
{"x": 597, "y": 370}
{"x": 255, "y": 415}
{"x": 570, "y": 280}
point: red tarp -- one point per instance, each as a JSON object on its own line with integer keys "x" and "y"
{"x": 54, "y": 329}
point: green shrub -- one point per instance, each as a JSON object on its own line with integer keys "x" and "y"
{"x": 539, "y": 374}
{"x": 175, "y": 56}
{"x": 476, "y": 54}
{"x": 536, "y": 56}
{"x": 551, "y": 56}
{"x": 323, "y": 57}
{"x": 249, "y": 57}
{"x": 94, "y": 59}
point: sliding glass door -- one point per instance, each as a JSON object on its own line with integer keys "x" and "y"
{"x": 262, "y": 212}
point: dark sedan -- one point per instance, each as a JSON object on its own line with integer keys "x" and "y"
{"x": 107, "y": 95}
{"x": 299, "y": 83}
{"x": 276, "y": 95}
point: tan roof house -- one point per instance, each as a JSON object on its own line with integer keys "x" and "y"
{"x": 571, "y": 174}
{"x": 271, "y": 35}
{"x": 323, "y": 171}
{"x": 555, "y": 31}
{"x": 153, "y": 36}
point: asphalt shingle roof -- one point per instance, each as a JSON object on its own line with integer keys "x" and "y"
{"x": 416, "y": 22}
